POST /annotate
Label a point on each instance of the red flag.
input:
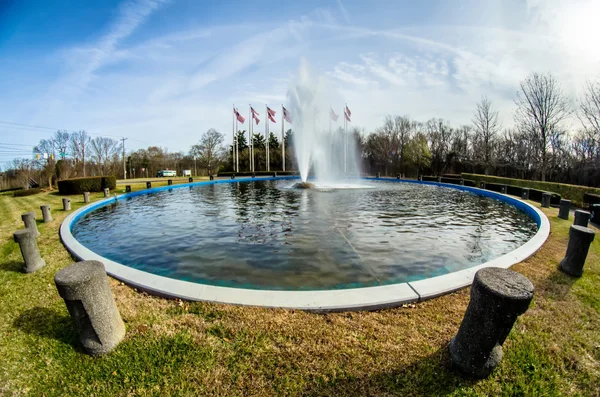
(254, 112)
(239, 117)
(286, 115)
(348, 112)
(332, 114)
(271, 112)
(347, 116)
(271, 117)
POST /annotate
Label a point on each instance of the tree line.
(540, 145)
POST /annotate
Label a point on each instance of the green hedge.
(574, 193)
(258, 173)
(27, 192)
(91, 184)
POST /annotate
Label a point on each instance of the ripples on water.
(261, 235)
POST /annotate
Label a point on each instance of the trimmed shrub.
(574, 193)
(91, 184)
(27, 192)
(259, 173)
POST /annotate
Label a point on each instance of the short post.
(275, 174)
(439, 179)
(580, 239)
(212, 178)
(29, 221)
(106, 192)
(253, 175)
(378, 175)
(86, 197)
(127, 188)
(46, 213)
(546, 200)
(582, 218)
(397, 176)
(190, 179)
(66, 204)
(503, 189)
(148, 185)
(482, 185)
(27, 240)
(232, 176)
(420, 178)
(525, 193)
(462, 182)
(170, 182)
(498, 297)
(87, 295)
(595, 211)
(565, 207)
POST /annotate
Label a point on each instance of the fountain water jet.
(319, 142)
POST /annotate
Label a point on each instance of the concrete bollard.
(253, 175)
(546, 200)
(29, 221)
(106, 192)
(66, 204)
(212, 178)
(421, 178)
(190, 179)
(87, 295)
(170, 182)
(462, 182)
(582, 218)
(565, 207)
(498, 297)
(482, 185)
(148, 185)
(86, 197)
(26, 238)
(378, 175)
(127, 188)
(232, 176)
(525, 193)
(503, 189)
(397, 176)
(275, 175)
(580, 239)
(439, 179)
(46, 215)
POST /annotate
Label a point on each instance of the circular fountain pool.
(260, 242)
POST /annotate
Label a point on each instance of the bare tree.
(61, 143)
(589, 113)
(79, 144)
(102, 149)
(541, 107)
(209, 150)
(487, 126)
(440, 137)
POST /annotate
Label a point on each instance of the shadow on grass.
(432, 375)
(558, 284)
(12, 266)
(48, 323)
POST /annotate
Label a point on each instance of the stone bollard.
(378, 175)
(86, 197)
(525, 193)
(148, 185)
(66, 204)
(580, 239)
(29, 221)
(503, 189)
(127, 188)
(498, 297)
(29, 249)
(275, 174)
(170, 182)
(87, 295)
(212, 178)
(482, 185)
(190, 179)
(232, 176)
(106, 192)
(439, 179)
(46, 215)
(397, 176)
(462, 182)
(565, 207)
(253, 175)
(421, 178)
(546, 200)
(582, 218)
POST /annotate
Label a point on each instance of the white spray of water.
(320, 151)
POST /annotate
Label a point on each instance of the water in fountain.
(319, 142)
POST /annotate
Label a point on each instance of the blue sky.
(161, 72)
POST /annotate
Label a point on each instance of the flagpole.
(266, 137)
(233, 140)
(237, 153)
(282, 140)
(345, 140)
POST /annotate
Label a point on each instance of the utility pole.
(124, 166)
